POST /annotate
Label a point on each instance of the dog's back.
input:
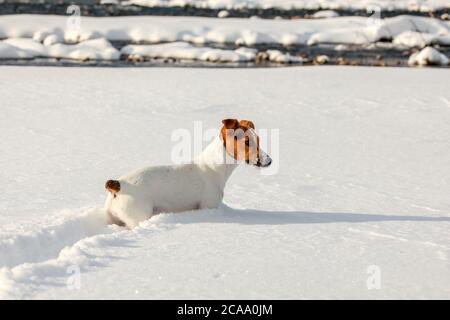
(169, 188)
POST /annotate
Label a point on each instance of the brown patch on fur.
(237, 141)
(112, 186)
(246, 124)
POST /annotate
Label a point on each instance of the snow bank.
(420, 39)
(245, 32)
(8, 51)
(183, 50)
(428, 56)
(414, 5)
(186, 51)
(96, 49)
(375, 30)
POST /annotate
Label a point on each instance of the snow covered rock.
(322, 59)
(420, 39)
(30, 46)
(52, 39)
(428, 56)
(412, 39)
(325, 14)
(223, 14)
(280, 57)
(96, 49)
(277, 56)
(186, 51)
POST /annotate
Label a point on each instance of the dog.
(139, 195)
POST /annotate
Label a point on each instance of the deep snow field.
(363, 184)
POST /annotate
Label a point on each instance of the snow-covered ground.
(361, 196)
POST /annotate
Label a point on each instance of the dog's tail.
(112, 186)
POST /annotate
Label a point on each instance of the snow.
(95, 49)
(420, 39)
(375, 30)
(322, 59)
(183, 50)
(280, 57)
(412, 39)
(223, 14)
(8, 51)
(415, 5)
(325, 14)
(245, 32)
(363, 184)
(186, 51)
(428, 56)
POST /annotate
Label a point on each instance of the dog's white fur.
(176, 188)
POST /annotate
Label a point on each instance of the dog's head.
(242, 143)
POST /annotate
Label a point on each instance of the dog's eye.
(247, 143)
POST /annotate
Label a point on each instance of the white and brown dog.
(137, 196)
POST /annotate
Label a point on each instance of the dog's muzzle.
(264, 161)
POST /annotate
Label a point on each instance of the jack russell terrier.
(137, 196)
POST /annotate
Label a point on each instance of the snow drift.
(245, 32)
(183, 50)
(25, 48)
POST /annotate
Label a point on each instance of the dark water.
(355, 56)
(93, 8)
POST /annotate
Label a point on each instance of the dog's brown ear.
(231, 123)
(112, 186)
(247, 124)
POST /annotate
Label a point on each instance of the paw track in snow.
(85, 241)
(44, 257)
(46, 242)
(48, 250)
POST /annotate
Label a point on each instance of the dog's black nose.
(265, 163)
